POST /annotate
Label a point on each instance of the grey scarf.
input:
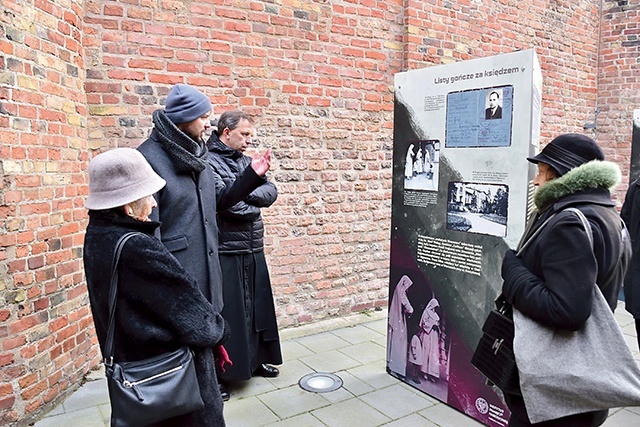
(186, 154)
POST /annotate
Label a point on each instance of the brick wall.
(79, 77)
(619, 80)
(318, 78)
(47, 341)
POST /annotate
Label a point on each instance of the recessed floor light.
(320, 382)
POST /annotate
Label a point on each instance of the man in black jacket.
(187, 204)
(630, 213)
(248, 301)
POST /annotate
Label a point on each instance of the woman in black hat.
(552, 281)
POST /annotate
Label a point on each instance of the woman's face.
(141, 209)
(545, 174)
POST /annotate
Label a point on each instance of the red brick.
(6, 359)
(7, 402)
(11, 343)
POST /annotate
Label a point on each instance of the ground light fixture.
(320, 382)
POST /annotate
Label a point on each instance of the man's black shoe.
(224, 392)
(267, 371)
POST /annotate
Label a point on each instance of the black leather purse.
(149, 390)
(493, 355)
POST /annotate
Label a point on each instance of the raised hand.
(261, 164)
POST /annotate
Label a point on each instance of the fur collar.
(591, 175)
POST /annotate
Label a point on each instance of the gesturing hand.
(261, 164)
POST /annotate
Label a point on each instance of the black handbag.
(149, 390)
(493, 355)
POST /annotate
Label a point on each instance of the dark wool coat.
(158, 309)
(552, 281)
(187, 212)
(631, 215)
(248, 299)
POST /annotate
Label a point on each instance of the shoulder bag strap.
(585, 223)
(587, 227)
(535, 233)
(113, 292)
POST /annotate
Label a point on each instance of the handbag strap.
(587, 228)
(535, 233)
(585, 223)
(113, 293)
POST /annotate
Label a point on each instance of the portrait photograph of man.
(494, 107)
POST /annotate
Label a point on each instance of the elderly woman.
(551, 281)
(159, 307)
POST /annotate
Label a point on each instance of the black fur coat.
(159, 307)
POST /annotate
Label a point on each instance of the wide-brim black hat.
(568, 151)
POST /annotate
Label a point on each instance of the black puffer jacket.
(159, 307)
(552, 281)
(241, 227)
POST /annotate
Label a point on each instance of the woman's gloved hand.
(221, 357)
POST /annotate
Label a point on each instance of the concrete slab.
(247, 412)
(292, 401)
(350, 413)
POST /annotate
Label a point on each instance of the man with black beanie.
(187, 210)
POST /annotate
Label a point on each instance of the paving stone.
(413, 420)
(291, 350)
(350, 413)
(303, 420)
(248, 412)
(365, 352)
(445, 416)
(353, 384)
(396, 402)
(291, 401)
(356, 334)
(322, 342)
(88, 417)
(329, 361)
(94, 393)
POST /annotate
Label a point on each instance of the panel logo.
(482, 405)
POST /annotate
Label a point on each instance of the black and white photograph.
(477, 208)
(494, 104)
(422, 165)
(417, 339)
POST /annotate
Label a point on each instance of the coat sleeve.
(263, 196)
(560, 296)
(626, 213)
(241, 210)
(153, 282)
(245, 183)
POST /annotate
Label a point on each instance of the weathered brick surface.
(43, 140)
(619, 80)
(84, 76)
